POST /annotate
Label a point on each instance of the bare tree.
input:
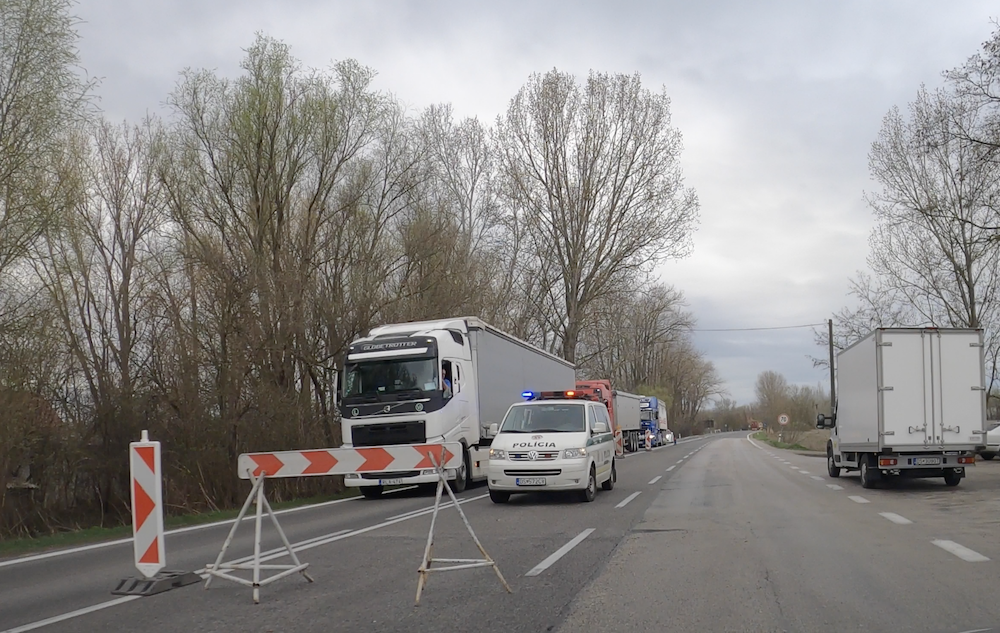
(593, 172)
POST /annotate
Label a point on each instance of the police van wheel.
(610, 483)
(371, 492)
(499, 496)
(588, 493)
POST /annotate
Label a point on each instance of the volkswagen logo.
(536, 437)
(386, 409)
(532, 455)
(419, 407)
(355, 412)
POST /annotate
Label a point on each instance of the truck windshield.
(545, 418)
(371, 379)
(647, 415)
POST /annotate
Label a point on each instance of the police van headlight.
(574, 453)
(496, 453)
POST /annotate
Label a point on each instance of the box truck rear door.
(905, 389)
(959, 394)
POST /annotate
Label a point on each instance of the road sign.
(342, 461)
(147, 505)
(783, 419)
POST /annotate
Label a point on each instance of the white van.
(556, 440)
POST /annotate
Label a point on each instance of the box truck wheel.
(461, 479)
(588, 493)
(609, 483)
(952, 478)
(831, 465)
(371, 492)
(868, 476)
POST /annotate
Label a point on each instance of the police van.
(554, 440)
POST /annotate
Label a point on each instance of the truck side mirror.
(823, 422)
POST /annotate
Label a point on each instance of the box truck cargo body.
(911, 402)
(438, 381)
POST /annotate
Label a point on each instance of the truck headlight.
(574, 453)
(496, 453)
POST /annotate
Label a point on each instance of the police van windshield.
(545, 418)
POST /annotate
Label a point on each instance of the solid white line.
(896, 518)
(559, 553)
(654, 480)
(834, 487)
(816, 477)
(71, 614)
(627, 499)
(857, 499)
(961, 551)
(671, 468)
(190, 528)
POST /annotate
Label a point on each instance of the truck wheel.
(609, 484)
(951, 478)
(371, 492)
(588, 493)
(867, 476)
(461, 480)
(499, 496)
(831, 466)
(987, 455)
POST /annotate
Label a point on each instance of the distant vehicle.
(559, 440)
(911, 402)
(624, 408)
(654, 419)
(756, 425)
(437, 381)
(992, 447)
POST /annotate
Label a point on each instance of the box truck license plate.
(390, 482)
(530, 481)
(927, 461)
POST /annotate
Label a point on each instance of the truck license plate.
(530, 481)
(390, 482)
(927, 461)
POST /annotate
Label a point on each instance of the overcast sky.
(778, 103)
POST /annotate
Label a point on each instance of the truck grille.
(533, 473)
(390, 475)
(389, 433)
(541, 456)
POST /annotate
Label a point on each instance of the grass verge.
(762, 436)
(20, 546)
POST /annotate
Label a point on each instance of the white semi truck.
(438, 381)
(911, 402)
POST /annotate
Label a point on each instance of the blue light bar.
(528, 395)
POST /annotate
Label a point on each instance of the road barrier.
(456, 563)
(146, 480)
(258, 467)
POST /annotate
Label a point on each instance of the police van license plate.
(927, 461)
(530, 481)
(390, 482)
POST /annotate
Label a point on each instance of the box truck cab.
(437, 381)
(553, 441)
(911, 402)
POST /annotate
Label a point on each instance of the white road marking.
(627, 499)
(804, 472)
(794, 467)
(276, 553)
(817, 477)
(559, 553)
(671, 468)
(654, 480)
(681, 459)
(834, 487)
(72, 614)
(896, 518)
(190, 528)
(961, 551)
(857, 499)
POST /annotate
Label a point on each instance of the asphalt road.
(716, 534)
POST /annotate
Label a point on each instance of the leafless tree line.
(199, 277)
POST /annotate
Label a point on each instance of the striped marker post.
(147, 506)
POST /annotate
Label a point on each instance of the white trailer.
(394, 391)
(911, 402)
(627, 409)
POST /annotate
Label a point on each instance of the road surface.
(716, 534)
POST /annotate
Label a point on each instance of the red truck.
(625, 411)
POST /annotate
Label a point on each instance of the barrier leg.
(239, 518)
(426, 564)
(256, 545)
(284, 539)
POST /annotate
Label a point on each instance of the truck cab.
(553, 441)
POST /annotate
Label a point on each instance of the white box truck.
(438, 381)
(911, 402)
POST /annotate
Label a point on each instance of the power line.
(754, 329)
